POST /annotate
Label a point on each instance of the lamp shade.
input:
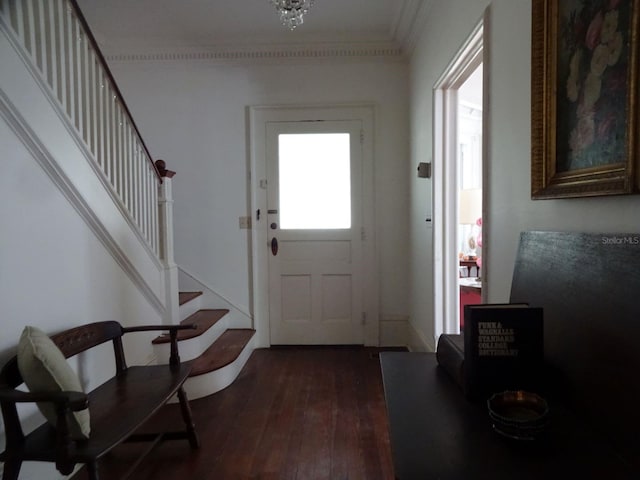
(470, 205)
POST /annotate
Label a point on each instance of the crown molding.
(409, 23)
(347, 52)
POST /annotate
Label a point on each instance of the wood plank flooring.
(300, 413)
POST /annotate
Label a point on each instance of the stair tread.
(204, 319)
(222, 352)
(184, 297)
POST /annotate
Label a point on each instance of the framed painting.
(584, 96)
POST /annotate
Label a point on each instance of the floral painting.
(585, 91)
(592, 79)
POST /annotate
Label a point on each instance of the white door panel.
(315, 274)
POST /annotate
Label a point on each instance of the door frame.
(258, 117)
(474, 51)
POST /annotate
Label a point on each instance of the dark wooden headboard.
(589, 287)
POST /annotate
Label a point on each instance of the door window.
(315, 181)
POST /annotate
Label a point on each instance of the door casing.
(445, 203)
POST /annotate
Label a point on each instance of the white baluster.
(86, 90)
(100, 147)
(52, 52)
(70, 70)
(18, 22)
(134, 185)
(130, 171)
(127, 164)
(41, 38)
(95, 87)
(138, 180)
(79, 41)
(145, 212)
(151, 188)
(30, 29)
(61, 53)
(112, 138)
(120, 151)
(116, 150)
(114, 142)
(154, 212)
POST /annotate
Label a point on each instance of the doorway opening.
(459, 146)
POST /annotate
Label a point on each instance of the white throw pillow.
(44, 369)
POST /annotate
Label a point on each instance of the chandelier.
(292, 11)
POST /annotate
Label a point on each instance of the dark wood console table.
(437, 434)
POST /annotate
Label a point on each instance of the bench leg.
(11, 469)
(92, 470)
(188, 420)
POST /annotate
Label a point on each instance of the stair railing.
(57, 39)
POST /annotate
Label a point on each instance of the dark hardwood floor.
(293, 413)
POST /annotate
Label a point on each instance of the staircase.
(62, 102)
(217, 352)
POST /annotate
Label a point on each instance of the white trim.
(417, 342)
(408, 24)
(219, 298)
(258, 117)
(270, 54)
(486, 146)
(445, 177)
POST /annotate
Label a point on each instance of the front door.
(314, 192)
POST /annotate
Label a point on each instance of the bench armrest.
(151, 328)
(73, 400)
(174, 359)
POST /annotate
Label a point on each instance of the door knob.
(274, 246)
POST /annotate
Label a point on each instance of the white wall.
(193, 115)
(509, 208)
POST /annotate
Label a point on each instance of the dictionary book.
(503, 348)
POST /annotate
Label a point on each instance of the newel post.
(165, 207)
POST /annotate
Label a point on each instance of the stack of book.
(501, 348)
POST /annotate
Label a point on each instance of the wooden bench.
(117, 407)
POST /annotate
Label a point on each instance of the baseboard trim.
(417, 341)
(224, 302)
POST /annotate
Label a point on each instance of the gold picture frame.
(584, 96)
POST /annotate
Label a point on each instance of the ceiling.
(140, 24)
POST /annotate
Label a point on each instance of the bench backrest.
(71, 342)
(589, 287)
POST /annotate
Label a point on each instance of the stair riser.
(192, 347)
(189, 308)
(237, 320)
(212, 382)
